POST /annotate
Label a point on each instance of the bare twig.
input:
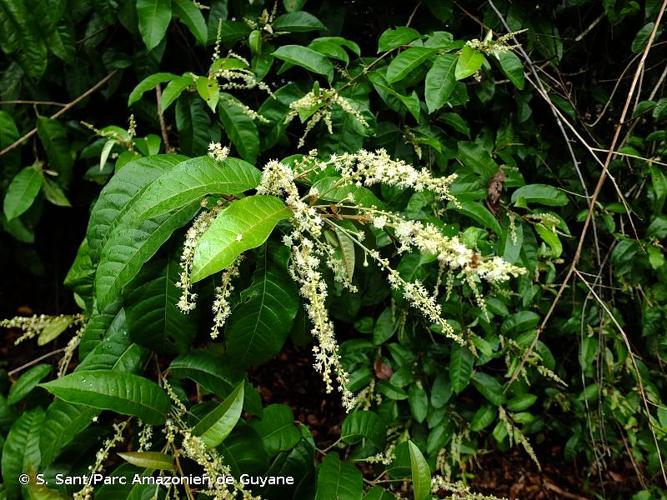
(34, 103)
(160, 114)
(64, 109)
(35, 361)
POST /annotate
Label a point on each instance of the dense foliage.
(457, 208)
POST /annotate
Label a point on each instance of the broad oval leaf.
(277, 429)
(470, 61)
(149, 459)
(121, 392)
(206, 369)
(244, 224)
(489, 387)
(174, 89)
(440, 82)
(306, 58)
(460, 368)
(421, 473)
(406, 62)
(239, 127)
(154, 17)
(339, 480)
(479, 213)
(364, 425)
(542, 194)
(395, 37)
(53, 135)
(483, 417)
(190, 14)
(297, 22)
(219, 423)
(512, 67)
(22, 192)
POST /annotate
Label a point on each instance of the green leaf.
(393, 38)
(22, 192)
(21, 36)
(121, 392)
(483, 418)
(407, 62)
(306, 58)
(512, 67)
(470, 61)
(519, 322)
(440, 82)
(55, 194)
(297, 22)
(336, 479)
(360, 425)
(149, 83)
(120, 193)
(550, 237)
(219, 423)
(244, 224)
(21, 450)
(54, 139)
(474, 156)
(541, 194)
(262, 320)
(489, 387)
(154, 17)
(27, 383)
(206, 369)
(53, 330)
(659, 181)
(418, 401)
(191, 16)
(277, 428)
(421, 473)
(329, 189)
(479, 213)
(385, 327)
(152, 315)
(165, 205)
(460, 368)
(239, 127)
(149, 459)
(193, 124)
(174, 89)
(522, 402)
(209, 90)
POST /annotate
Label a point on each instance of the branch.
(64, 109)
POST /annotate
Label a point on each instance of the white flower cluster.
(34, 325)
(377, 167)
(187, 301)
(221, 306)
(322, 101)
(217, 151)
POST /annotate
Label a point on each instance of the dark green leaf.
(218, 424)
(336, 479)
(188, 12)
(460, 368)
(407, 62)
(440, 82)
(297, 22)
(396, 37)
(21, 450)
(154, 17)
(306, 58)
(22, 192)
(240, 128)
(421, 473)
(27, 383)
(541, 194)
(149, 83)
(277, 428)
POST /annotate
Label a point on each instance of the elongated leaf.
(209, 90)
(418, 401)
(174, 89)
(421, 473)
(512, 67)
(27, 383)
(479, 213)
(21, 450)
(336, 479)
(328, 189)
(542, 194)
(470, 61)
(489, 387)
(406, 62)
(23, 37)
(364, 425)
(113, 390)
(193, 124)
(396, 37)
(261, 322)
(460, 368)
(440, 82)
(22, 192)
(153, 318)
(240, 128)
(244, 224)
(189, 13)
(129, 248)
(8, 135)
(149, 459)
(119, 194)
(297, 22)
(154, 17)
(149, 83)
(54, 139)
(277, 428)
(218, 424)
(206, 369)
(306, 58)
